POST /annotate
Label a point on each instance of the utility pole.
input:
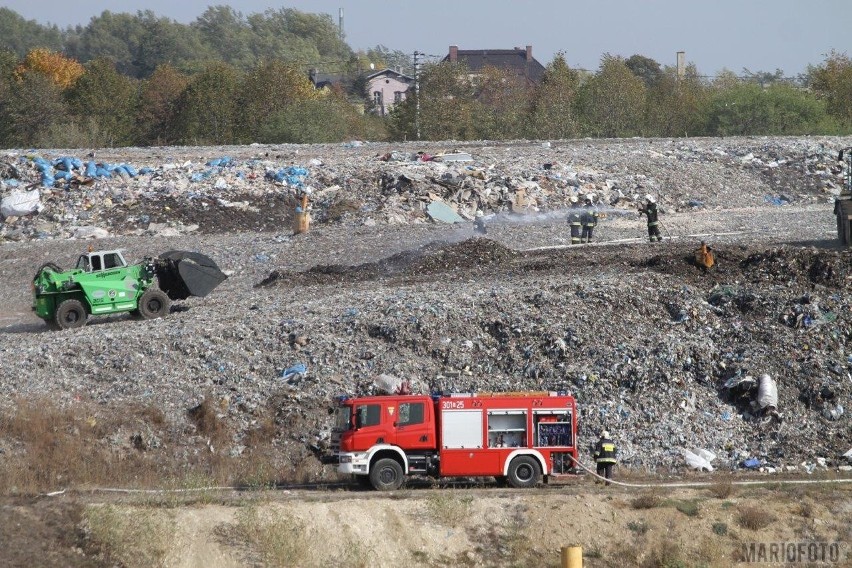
(417, 93)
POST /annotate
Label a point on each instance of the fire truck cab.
(519, 438)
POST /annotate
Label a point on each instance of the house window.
(397, 96)
(377, 98)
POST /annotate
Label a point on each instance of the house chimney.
(454, 53)
(529, 53)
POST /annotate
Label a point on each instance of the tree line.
(233, 79)
(623, 98)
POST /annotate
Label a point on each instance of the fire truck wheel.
(524, 472)
(386, 475)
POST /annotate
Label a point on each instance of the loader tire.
(524, 471)
(70, 314)
(386, 475)
(153, 304)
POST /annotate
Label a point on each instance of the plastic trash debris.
(776, 200)
(440, 211)
(767, 393)
(751, 463)
(220, 162)
(294, 372)
(848, 455)
(20, 203)
(389, 384)
(697, 461)
(833, 413)
(454, 157)
(88, 232)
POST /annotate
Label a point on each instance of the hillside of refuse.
(391, 279)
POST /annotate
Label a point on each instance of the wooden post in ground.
(572, 557)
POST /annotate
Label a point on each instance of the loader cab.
(100, 260)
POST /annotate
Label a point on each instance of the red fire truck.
(519, 438)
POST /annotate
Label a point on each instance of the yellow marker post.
(572, 557)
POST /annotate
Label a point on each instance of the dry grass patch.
(277, 540)
(449, 510)
(647, 501)
(754, 518)
(206, 418)
(130, 536)
(723, 489)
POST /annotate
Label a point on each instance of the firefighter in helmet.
(650, 210)
(605, 456)
(479, 223)
(575, 220)
(589, 218)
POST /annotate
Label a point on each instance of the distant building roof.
(519, 60)
(321, 80)
(400, 76)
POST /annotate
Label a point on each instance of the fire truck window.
(410, 413)
(368, 415)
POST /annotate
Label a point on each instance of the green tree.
(114, 36)
(165, 41)
(832, 82)
(268, 89)
(208, 108)
(749, 109)
(158, 103)
(228, 34)
(446, 106)
(104, 102)
(553, 114)
(645, 68)
(34, 109)
(677, 106)
(22, 36)
(500, 108)
(329, 119)
(613, 100)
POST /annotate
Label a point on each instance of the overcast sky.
(758, 35)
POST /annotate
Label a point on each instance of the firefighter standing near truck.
(605, 456)
(575, 220)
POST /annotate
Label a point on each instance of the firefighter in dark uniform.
(479, 223)
(650, 210)
(575, 220)
(605, 455)
(589, 220)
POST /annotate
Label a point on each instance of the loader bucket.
(184, 273)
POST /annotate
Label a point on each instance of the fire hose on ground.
(709, 483)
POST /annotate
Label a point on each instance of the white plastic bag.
(387, 384)
(767, 393)
(696, 461)
(20, 203)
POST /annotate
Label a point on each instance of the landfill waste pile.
(745, 365)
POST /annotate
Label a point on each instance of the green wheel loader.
(103, 283)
